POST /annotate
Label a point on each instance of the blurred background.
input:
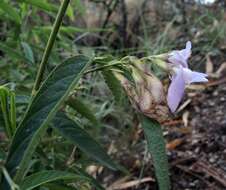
(196, 136)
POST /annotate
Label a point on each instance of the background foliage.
(111, 30)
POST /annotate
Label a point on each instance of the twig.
(182, 160)
(217, 174)
(110, 9)
(172, 122)
(124, 23)
(187, 170)
(217, 82)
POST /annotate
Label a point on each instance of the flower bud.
(161, 63)
(147, 96)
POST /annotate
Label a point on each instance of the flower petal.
(176, 90)
(188, 45)
(180, 57)
(192, 76)
(175, 58)
(186, 53)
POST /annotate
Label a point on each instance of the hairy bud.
(147, 95)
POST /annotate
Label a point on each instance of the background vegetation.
(195, 136)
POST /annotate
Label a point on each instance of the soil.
(196, 145)
(200, 162)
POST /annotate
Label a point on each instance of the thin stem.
(102, 67)
(12, 112)
(50, 43)
(13, 186)
(3, 103)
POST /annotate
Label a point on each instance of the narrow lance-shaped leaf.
(92, 180)
(114, 85)
(156, 146)
(12, 52)
(74, 133)
(82, 108)
(42, 109)
(78, 171)
(69, 29)
(10, 11)
(70, 12)
(58, 186)
(41, 4)
(1, 119)
(28, 52)
(4, 109)
(40, 178)
(22, 99)
(12, 112)
(5, 100)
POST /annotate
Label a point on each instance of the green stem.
(5, 112)
(13, 186)
(12, 112)
(50, 44)
(102, 67)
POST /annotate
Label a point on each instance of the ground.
(196, 143)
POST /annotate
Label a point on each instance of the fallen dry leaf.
(185, 118)
(209, 65)
(221, 70)
(130, 184)
(172, 123)
(184, 105)
(173, 144)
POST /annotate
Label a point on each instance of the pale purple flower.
(180, 57)
(181, 76)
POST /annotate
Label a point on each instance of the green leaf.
(12, 111)
(41, 4)
(10, 11)
(12, 52)
(82, 108)
(28, 52)
(92, 180)
(42, 109)
(78, 136)
(40, 178)
(4, 93)
(56, 186)
(156, 146)
(114, 85)
(78, 171)
(70, 12)
(7, 102)
(80, 7)
(70, 29)
(22, 99)
(1, 120)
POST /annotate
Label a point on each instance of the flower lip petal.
(188, 45)
(190, 76)
(176, 90)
